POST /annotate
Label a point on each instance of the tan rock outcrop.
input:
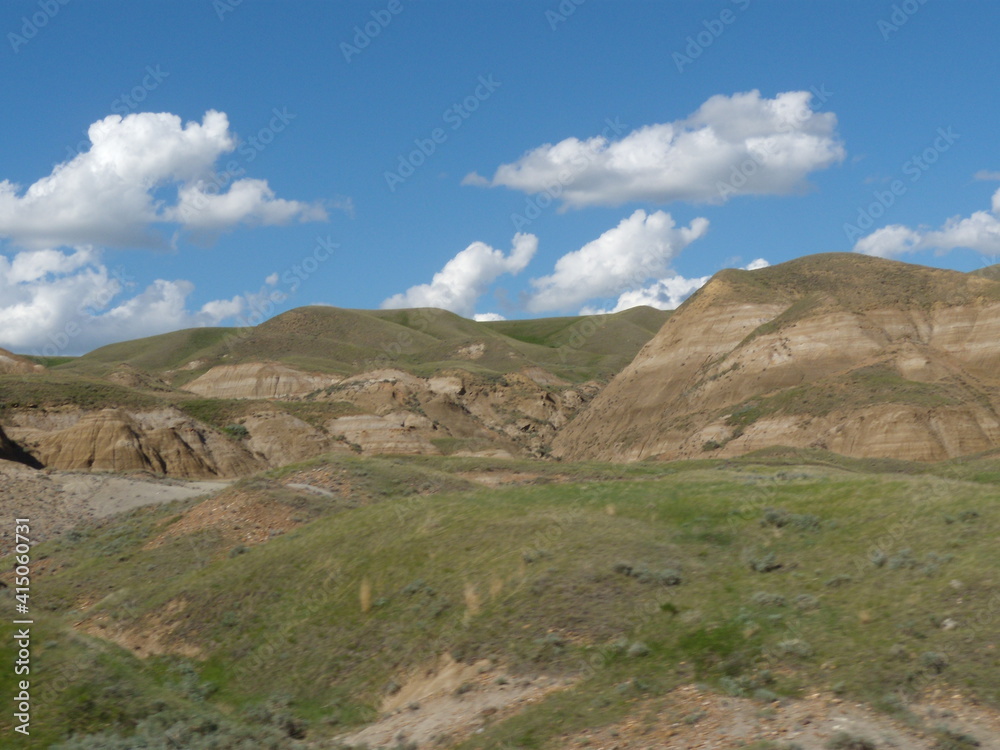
(279, 439)
(164, 441)
(398, 432)
(258, 380)
(862, 356)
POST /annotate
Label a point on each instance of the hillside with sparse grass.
(422, 341)
(591, 591)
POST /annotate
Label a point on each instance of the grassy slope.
(285, 618)
(857, 282)
(55, 388)
(421, 340)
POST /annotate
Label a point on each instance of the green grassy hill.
(773, 575)
(422, 341)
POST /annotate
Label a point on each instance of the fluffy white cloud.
(205, 212)
(980, 232)
(733, 145)
(54, 302)
(666, 294)
(638, 249)
(488, 317)
(113, 194)
(465, 277)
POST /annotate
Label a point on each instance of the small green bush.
(767, 599)
(949, 740)
(934, 661)
(236, 431)
(794, 647)
(765, 563)
(638, 649)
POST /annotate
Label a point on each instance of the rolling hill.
(420, 341)
(222, 402)
(858, 355)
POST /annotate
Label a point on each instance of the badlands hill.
(206, 403)
(12, 364)
(421, 341)
(857, 355)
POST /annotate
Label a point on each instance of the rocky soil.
(56, 501)
(398, 413)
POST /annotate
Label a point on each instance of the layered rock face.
(257, 380)
(858, 355)
(163, 441)
(513, 415)
(453, 412)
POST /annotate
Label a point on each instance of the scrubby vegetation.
(755, 579)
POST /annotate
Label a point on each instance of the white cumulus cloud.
(489, 317)
(742, 144)
(465, 278)
(55, 302)
(980, 232)
(115, 193)
(665, 294)
(624, 257)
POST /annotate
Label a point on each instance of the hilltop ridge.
(862, 356)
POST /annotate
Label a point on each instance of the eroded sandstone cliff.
(858, 355)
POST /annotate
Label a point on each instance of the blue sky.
(247, 151)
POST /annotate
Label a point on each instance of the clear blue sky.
(641, 216)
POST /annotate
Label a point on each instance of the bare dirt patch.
(692, 719)
(241, 517)
(153, 636)
(56, 501)
(447, 701)
(500, 478)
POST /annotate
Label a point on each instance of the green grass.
(61, 389)
(48, 361)
(422, 341)
(545, 561)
